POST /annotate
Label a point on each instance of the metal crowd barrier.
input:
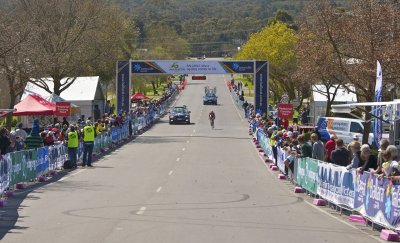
(377, 199)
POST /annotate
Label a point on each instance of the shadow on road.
(9, 215)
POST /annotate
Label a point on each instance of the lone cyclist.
(211, 116)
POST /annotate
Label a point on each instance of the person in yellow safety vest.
(73, 143)
(89, 134)
(295, 116)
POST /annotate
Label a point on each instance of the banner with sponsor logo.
(42, 165)
(63, 109)
(5, 165)
(285, 111)
(123, 86)
(191, 67)
(23, 166)
(282, 155)
(261, 87)
(57, 156)
(379, 200)
(336, 184)
(307, 174)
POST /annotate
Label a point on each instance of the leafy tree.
(276, 44)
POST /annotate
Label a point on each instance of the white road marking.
(159, 189)
(170, 173)
(141, 211)
(177, 160)
(183, 149)
(80, 171)
(187, 141)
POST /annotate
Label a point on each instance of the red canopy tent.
(34, 105)
(139, 96)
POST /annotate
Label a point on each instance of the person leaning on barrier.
(364, 160)
(384, 143)
(390, 166)
(89, 134)
(340, 156)
(305, 147)
(353, 147)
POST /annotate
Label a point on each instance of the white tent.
(84, 92)
(319, 99)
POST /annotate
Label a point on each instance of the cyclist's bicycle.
(212, 122)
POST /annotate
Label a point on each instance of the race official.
(89, 134)
(73, 143)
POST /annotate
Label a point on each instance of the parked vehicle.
(343, 128)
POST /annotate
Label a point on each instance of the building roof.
(82, 89)
(342, 95)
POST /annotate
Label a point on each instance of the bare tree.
(73, 37)
(15, 66)
(359, 36)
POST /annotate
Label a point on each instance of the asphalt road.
(178, 183)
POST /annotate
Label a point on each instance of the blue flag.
(378, 110)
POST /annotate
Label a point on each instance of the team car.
(179, 114)
(210, 96)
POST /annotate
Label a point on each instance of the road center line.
(159, 189)
(141, 211)
(170, 173)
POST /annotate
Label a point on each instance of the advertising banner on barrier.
(5, 165)
(379, 200)
(57, 156)
(336, 184)
(307, 174)
(281, 159)
(42, 165)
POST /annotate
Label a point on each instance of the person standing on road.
(245, 105)
(73, 143)
(89, 134)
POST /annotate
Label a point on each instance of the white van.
(344, 128)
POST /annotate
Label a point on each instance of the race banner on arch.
(125, 69)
